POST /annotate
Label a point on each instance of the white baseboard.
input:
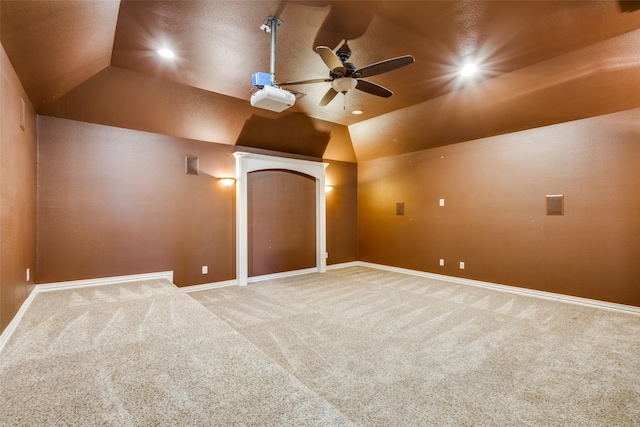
(512, 289)
(207, 286)
(11, 327)
(281, 275)
(256, 279)
(57, 286)
(343, 265)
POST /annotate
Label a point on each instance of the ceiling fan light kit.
(344, 84)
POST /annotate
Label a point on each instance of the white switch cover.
(28, 275)
(441, 202)
(441, 262)
(461, 265)
(205, 269)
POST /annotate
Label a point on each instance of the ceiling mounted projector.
(272, 98)
(265, 92)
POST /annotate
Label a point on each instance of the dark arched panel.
(281, 221)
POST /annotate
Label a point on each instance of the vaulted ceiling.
(540, 63)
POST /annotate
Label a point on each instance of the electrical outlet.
(205, 269)
(441, 202)
(461, 265)
(441, 262)
(326, 254)
(28, 274)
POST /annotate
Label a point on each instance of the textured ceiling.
(541, 62)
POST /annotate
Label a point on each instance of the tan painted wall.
(342, 208)
(494, 216)
(17, 193)
(114, 201)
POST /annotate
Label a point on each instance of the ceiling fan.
(345, 76)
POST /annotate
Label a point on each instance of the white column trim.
(251, 162)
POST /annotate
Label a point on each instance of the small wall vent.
(191, 165)
(555, 204)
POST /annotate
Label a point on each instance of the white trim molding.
(251, 162)
(282, 275)
(207, 286)
(11, 327)
(343, 265)
(253, 279)
(56, 286)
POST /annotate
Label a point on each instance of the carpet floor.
(143, 354)
(355, 346)
(389, 349)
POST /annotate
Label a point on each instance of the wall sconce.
(328, 188)
(227, 182)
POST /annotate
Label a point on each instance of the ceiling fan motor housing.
(344, 52)
(350, 70)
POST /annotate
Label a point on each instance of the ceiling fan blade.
(328, 97)
(304, 82)
(331, 60)
(385, 66)
(373, 89)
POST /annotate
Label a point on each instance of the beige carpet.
(143, 354)
(388, 349)
(355, 346)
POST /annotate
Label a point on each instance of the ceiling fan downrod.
(272, 23)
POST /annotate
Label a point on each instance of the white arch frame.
(251, 162)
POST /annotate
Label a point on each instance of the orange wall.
(17, 194)
(114, 201)
(494, 215)
(342, 208)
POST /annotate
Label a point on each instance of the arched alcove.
(281, 209)
(250, 162)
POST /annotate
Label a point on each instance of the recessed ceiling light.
(356, 112)
(468, 69)
(166, 53)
